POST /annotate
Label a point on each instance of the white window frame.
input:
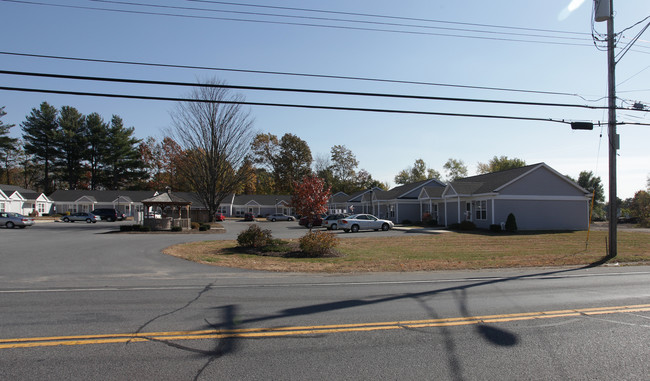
(481, 210)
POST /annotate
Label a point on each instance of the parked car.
(311, 222)
(10, 220)
(357, 222)
(219, 217)
(279, 217)
(249, 217)
(109, 214)
(331, 222)
(81, 216)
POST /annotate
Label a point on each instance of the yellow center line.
(307, 330)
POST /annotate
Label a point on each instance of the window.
(2, 206)
(481, 210)
(41, 208)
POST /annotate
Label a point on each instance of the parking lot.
(232, 227)
(54, 253)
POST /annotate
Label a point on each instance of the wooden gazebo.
(172, 207)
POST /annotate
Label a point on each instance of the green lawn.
(435, 251)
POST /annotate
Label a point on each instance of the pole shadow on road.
(494, 335)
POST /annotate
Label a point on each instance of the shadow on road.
(494, 335)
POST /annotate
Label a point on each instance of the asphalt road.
(80, 302)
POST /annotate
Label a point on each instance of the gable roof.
(406, 191)
(24, 193)
(167, 198)
(103, 196)
(496, 181)
(261, 199)
(431, 192)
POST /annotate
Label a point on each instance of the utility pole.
(613, 137)
(604, 11)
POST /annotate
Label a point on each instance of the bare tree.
(215, 133)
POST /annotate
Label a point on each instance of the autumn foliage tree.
(309, 197)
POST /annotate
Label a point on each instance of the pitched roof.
(493, 182)
(262, 199)
(104, 196)
(167, 198)
(403, 191)
(27, 194)
(12, 188)
(433, 192)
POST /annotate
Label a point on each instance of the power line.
(292, 23)
(383, 16)
(296, 90)
(391, 24)
(324, 76)
(290, 105)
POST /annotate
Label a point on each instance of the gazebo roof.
(167, 198)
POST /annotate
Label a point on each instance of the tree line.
(64, 149)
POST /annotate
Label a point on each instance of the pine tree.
(39, 133)
(72, 144)
(97, 134)
(123, 165)
(7, 144)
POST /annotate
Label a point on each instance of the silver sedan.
(279, 217)
(10, 220)
(357, 222)
(81, 216)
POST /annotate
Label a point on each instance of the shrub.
(126, 228)
(206, 226)
(277, 246)
(203, 228)
(511, 223)
(495, 228)
(196, 225)
(145, 229)
(254, 237)
(407, 222)
(467, 226)
(136, 227)
(431, 222)
(177, 228)
(317, 244)
(464, 226)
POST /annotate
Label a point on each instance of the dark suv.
(109, 214)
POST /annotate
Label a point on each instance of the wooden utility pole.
(613, 136)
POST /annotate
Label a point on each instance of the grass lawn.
(436, 251)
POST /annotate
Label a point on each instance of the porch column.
(493, 212)
(445, 212)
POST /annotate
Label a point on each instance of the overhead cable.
(325, 76)
(296, 90)
(290, 105)
(291, 23)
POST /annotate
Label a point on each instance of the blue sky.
(383, 143)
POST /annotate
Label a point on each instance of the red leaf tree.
(309, 198)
